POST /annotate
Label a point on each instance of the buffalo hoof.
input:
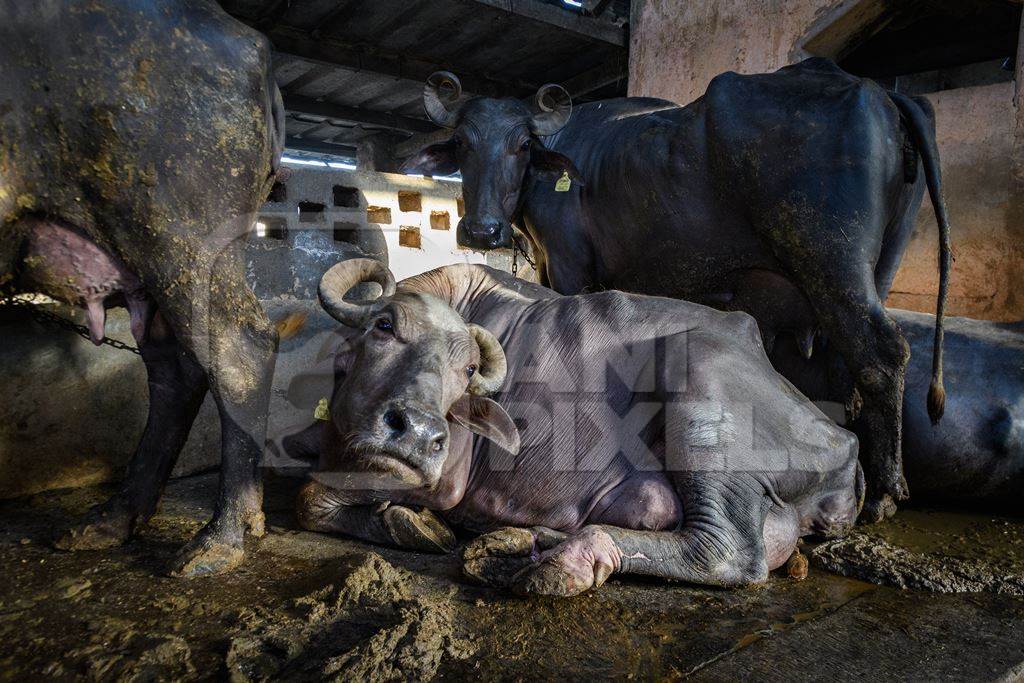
(582, 562)
(496, 558)
(205, 555)
(797, 566)
(105, 526)
(877, 509)
(551, 578)
(421, 530)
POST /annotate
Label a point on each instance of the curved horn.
(491, 374)
(552, 107)
(441, 105)
(342, 277)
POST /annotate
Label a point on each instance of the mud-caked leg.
(831, 251)
(876, 355)
(241, 350)
(177, 385)
(880, 422)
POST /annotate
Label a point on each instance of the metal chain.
(53, 320)
(516, 251)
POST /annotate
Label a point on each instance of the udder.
(60, 260)
(776, 303)
(645, 501)
(781, 534)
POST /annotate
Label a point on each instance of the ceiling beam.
(359, 58)
(588, 27)
(578, 85)
(595, 8)
(271, 14)
(610, 72)
(341, 112)
(291, 142)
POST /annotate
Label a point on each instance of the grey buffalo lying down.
(654, 436)
(975, 455)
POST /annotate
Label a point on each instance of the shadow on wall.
(71, 413)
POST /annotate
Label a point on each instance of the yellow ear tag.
(322, 410)
(563, 184)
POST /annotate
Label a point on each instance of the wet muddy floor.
(307, 606)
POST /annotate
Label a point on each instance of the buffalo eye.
(384, 325)
(470, 370)
(525, 147)
(456, 140)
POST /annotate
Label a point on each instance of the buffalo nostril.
(395, 422)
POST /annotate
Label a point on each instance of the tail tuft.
(936, 401)
(921, 127)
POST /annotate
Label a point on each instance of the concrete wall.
(678, 47)
(975, 129)
(372, 218)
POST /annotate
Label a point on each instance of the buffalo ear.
(488, 419)
(436, 159)
(551, 165)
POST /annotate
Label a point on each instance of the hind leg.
(829, 254)
(876, 355)
(177, 386)
(237, 350)
(203, 297)
(721, 543)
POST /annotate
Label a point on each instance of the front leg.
(544, 562)
(721, 543)
(319, 508)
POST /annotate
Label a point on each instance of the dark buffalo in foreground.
(808, 172)
(655, 436)
(975, 456)
(137, 140)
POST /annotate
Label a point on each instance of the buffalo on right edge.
(808, 173)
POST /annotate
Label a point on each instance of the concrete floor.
(306, 606)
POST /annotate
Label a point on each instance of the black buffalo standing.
(808, 173)
(137, 140)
